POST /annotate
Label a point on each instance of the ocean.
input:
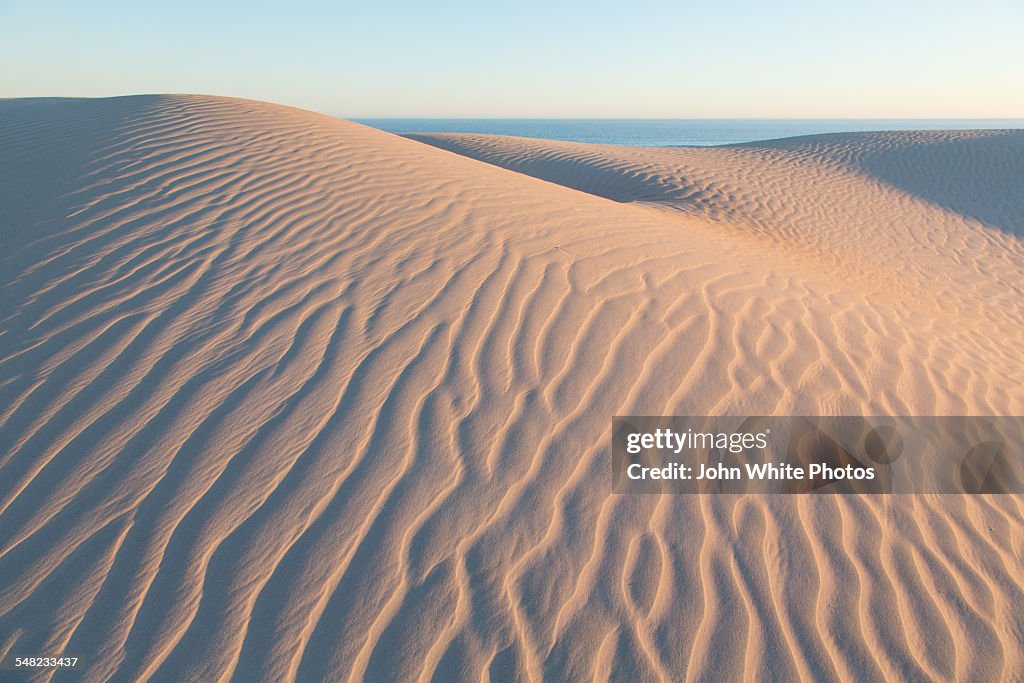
(673, 132)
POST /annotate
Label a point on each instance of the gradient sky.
(545, 58)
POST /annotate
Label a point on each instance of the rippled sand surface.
(283, 397)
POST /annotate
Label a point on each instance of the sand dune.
(287, 398)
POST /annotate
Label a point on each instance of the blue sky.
(531, 58)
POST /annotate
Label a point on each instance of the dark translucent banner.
(818, 454)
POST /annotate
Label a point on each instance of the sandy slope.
(286, 397)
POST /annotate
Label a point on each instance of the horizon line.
(683, 118)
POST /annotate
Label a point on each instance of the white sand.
(284, 397)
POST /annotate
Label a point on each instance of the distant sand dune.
(284, 397)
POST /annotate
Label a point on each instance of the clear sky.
(544, 58)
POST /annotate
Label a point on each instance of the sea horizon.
(672, 132)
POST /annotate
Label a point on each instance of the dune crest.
(283, 397)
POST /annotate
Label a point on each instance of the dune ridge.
(912, 201)
(283, 397)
